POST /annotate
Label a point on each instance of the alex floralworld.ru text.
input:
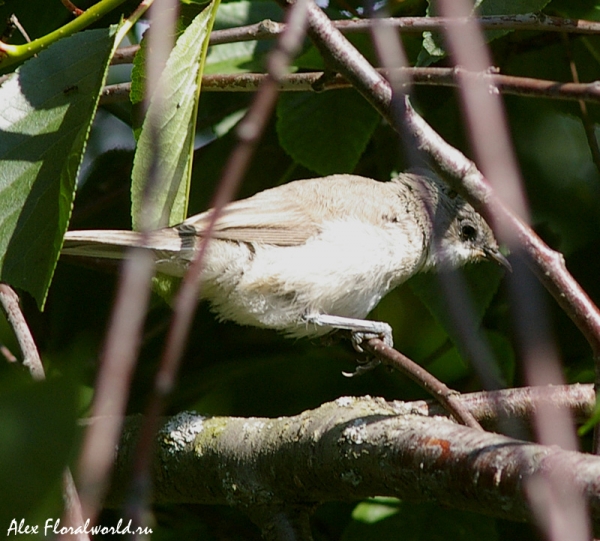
(52, 527)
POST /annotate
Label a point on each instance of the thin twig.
(117, 364)
(521, 403)
(72, 8)
(73, 513)
(17, 24)
(304, 82)
(448, 398)
(268, 29)
(528, 21)
(7, 354)
(486, 124)
(558, 507)
(588, 125)
(31, 358)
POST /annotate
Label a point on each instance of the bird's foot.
(361, 330)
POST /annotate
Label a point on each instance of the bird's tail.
(112, 244)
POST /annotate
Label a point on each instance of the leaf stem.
(12, 54)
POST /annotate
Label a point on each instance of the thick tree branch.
(351, 449)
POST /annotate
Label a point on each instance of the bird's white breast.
(344, 270)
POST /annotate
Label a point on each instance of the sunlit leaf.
(47, 108)
(166, 141)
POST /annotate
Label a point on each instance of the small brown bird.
(315, 255)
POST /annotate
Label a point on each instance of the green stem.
(12, 54)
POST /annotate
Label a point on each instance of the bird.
(315, 255)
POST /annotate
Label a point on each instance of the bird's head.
(460, 235)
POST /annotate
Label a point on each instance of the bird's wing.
(266, 218)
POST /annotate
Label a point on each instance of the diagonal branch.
(448, 398)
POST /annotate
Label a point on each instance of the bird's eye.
(468, 232)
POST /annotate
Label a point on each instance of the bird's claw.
(363, 367)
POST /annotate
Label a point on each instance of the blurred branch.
(304, 82)
(249, 132)
(7, 354)
(117, 364)
(268, 29)
(354, 448)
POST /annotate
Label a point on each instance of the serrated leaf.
(174, 116)
(47, 109)
(325, 132)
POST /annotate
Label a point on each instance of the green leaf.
(425, 521)
(138, 73)
(592, 421)
(47, 108)
(375, 509)
(243, 56)
(233, 14)
(172, 121)
(325, 132)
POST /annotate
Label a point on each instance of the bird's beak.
(493, 254)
